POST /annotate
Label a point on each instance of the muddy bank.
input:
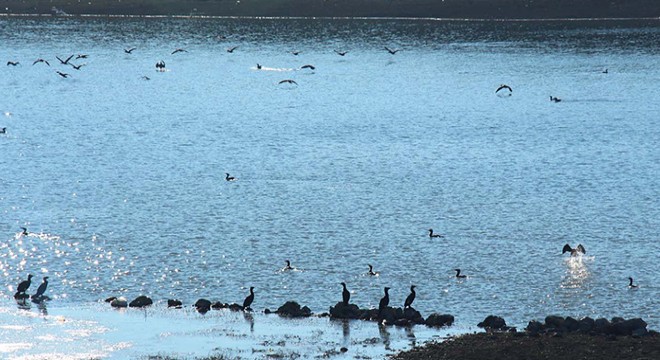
(514, 346)
(459, 9)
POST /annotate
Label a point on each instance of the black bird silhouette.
(64, 62)
(391, 51)
(504, 86)
(144, 77)
(289, 81)
(41, 289)
(631, 285)
(296, 52)
(77, 67)
(41, 61)
(371, 271)
(24, 285)
(288, 266)
(574, 252)
(605, 71)
(25, 232)
(249, 299)
(129, 51)
(12, 63)
(229, 177)
(432, 235)
(410, 298)
(160, 66)
(3, 130)
(345, 295)
(82, 56)
(231, 49)
(341, 53)
(178, 51)
(458, 274)
(555, 99)
(258, 66)
(64, 75)
(311, 67)
(382, 305)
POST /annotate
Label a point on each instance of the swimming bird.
(231, 49)
(288, 266)
(64, 75)
(410, 298)
(289, 81)
(458, 274)
(229, 177)
(12, 63)
(3, 130)
(64, 62)
(296, 52)
(258, 66)
(311, 67)
(371, 271)
(341, 53)
(605, 71)
(345, 295)
(504, 86)
(432, 235)
(129, 51)
(41, 289)
(77, 67)
(25, 232)
(41, 61)
(178, 50)
(574, 252)
(24, 285)
(555, 99)
(631, 283)
(391, 51)
(249, 299)
(160, 66)
(382, 305)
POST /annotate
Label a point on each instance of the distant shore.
(447, 9)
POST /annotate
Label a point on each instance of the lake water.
(120, 180)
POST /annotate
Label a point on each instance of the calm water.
(120, 180)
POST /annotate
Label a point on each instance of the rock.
(617, 319)
(219, 305)
(602, 326)
(39, 299)
(555, 322)
(343, 349)
(413, 316)
(21, 296)
(436, 319)
(267, 311)
(110, 299)
(390, 314)
(627, 327)
(570, 324)
(534, 327)
(235, 307)
(293, 309)
(141, 301)
(586, 325)
(492, 322)
(174, 303)
(119, 302)
(342, 311)
(402, 322)
(639, 332)
(202, 306)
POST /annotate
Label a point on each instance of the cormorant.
(371, 271)
(311, 67)
(288, 81)
(144, 77)
(229, 177)
(25, 232)
(24, 285)
(12, 63)
(605, 71)
(555, 99)
(128, 51)
(64, 75)
(178, 51)
(296, 52)
(82, 56)
(574, 252)
(410, 298)
(382, 305)
(41, 61)
(458, 274)
(231, 49)
(432, 235)
(504, 86)
(631, 285)
(345, 295)
(77, 67)
(391, 51)
(41, 289)
(249, 299)
(64, 62)
(258, 66)
(160, 66)
(3, 130)
(288, 266)
(341, 53)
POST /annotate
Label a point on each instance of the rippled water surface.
(120, 180)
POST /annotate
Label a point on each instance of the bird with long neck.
(631, 285)
(410, 298)
(41, 289)
(345, 294)
(458, 274)
(371, 271)
(288, 266)
(24, 285)
(433, 235)
(382, 305)
(249, 299)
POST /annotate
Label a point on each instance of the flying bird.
(64, 62)
(178, 51)
(64, 75)
(129, 51)
(231, 49)
(41, 61)
(311, 67)
(391, 51)
(504, 86)
(12, 63)
(289, 81)
(579, 250)
(341, 53)
(77, 67)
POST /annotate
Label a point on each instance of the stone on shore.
(492, 322)
(119, 302)
(141, 301)
(202, 306)
(438, 320)
(293, 309)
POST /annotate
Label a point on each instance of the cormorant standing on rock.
(345, 295)
(24, 285)
(42, 288)
(249, 299)
(410, 298)
(382, 305)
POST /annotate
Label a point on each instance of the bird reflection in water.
(411, 336)
(576, 272)
(250, 319)
(384, 335)
(42, 308)
(346, 331)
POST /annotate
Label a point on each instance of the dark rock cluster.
(389, 315)
(495, 323)
(618, 326)
(291, 309)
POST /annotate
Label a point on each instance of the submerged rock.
(438, 320)
(174, 304)
(219, 305)
(141, 301)
(343, 311)
(202, 306)
(119, 302)
(293, 309)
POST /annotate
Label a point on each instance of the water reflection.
(250, 319)
(384, 335)
(576, 272)
(411, 336)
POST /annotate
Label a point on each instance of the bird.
(579, 250)
(12, 63)
(341, 53)
(231, 49)
(64, 62)
(458, 274)
(24, 285)
(288, 266)
(3, 130)
(129, 51)
(504, 86)
(555, 99)
(391, 51)
(229, 177)
(605, 71)
(41, 61)
(144, 77)
(249, 299)
(160, 66)
(371, 271)
(178, 51)
(258, 66)
(432, 235)
(25, 232)
(296, 52)
(41, 289)
(77, 67)
(382, 305)
(410, 298)
(289, 81)
(82, 56)
(631, 285)
(64, 75)
(345, 295)
(311, 67)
